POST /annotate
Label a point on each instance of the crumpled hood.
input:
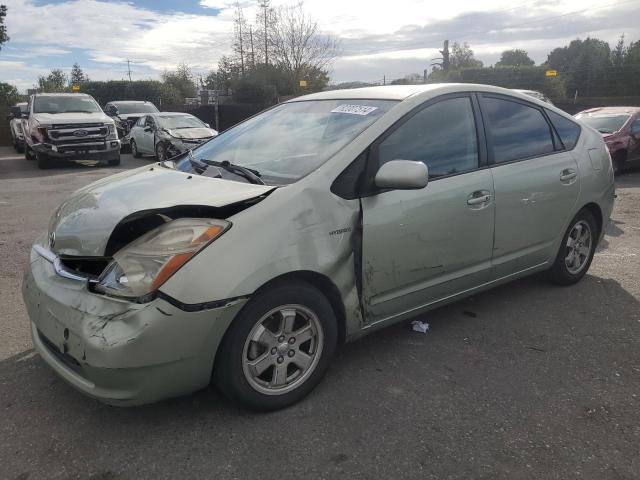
(71, 118)
(83, 223)
(193, 132)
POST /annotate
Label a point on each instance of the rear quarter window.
(568, 131)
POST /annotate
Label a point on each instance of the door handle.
(478, 198)
(568, 174)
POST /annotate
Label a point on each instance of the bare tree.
(297, 45)
(239, 33)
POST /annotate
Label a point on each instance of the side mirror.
(402, 175)
(148, 129)
(207, 125)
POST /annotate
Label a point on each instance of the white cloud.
(377, 38)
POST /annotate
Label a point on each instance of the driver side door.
(147, 135)
(423, 246)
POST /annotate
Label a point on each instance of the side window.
(517, 130)
(568, 131)
(141, 121)
(150, 122)
(442, 135)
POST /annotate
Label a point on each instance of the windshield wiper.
(200, 165)
(249, 173)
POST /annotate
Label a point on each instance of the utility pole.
(445, 56)
(384, 80)
(253, 58)
(129, 69)
(264, 5)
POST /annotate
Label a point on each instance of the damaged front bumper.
(120, 352)
(103, 150)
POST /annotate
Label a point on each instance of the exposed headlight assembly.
(141, 267)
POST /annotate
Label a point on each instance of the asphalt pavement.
(526, 381)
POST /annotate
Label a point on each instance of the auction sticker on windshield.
(354, 109)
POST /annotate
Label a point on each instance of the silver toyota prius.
(249, 259)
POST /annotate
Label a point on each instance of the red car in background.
(620, 128)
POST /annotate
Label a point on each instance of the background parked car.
(15, 125)
(534, 94)
(620, 128)
(168, 134)
(68, 126)
(125, 114)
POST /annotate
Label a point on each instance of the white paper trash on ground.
(418, 326)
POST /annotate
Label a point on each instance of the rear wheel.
(134, 149)
(576, 251)
(278, 347)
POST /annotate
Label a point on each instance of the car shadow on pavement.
(523, 364)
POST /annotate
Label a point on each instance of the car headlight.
(112, 133)
(145, 264)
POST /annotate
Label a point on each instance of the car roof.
(62, 95)
(611, 110)
(169, 114)
(403, 92)
(129, 101)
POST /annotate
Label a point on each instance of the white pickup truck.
(68, 126)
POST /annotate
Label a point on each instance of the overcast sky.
(391, 38)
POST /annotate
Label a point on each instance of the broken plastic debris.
(418, 326)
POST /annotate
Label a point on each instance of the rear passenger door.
(535, 179)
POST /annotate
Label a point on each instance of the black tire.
(19, 148)
(44, 162)
(228, 369)
(28, 153)
(560, 272)
(161, 152)
(134, 149)
(619, 161)
(114, 162)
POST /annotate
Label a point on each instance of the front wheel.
(28, 153)
(278, 347)
(161, 151)
(44, 162)
(576, 250)
(619, 161)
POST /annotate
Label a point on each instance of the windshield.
(291, 140)
(178, 122)
(604, 123)
(50, 104)
(126, 108)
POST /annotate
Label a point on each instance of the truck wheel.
(278, 348)
(619, 160)
(44, 162)
(134, 149)
(28, 153)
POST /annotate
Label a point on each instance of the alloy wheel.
(578, 247)
(282, 349)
